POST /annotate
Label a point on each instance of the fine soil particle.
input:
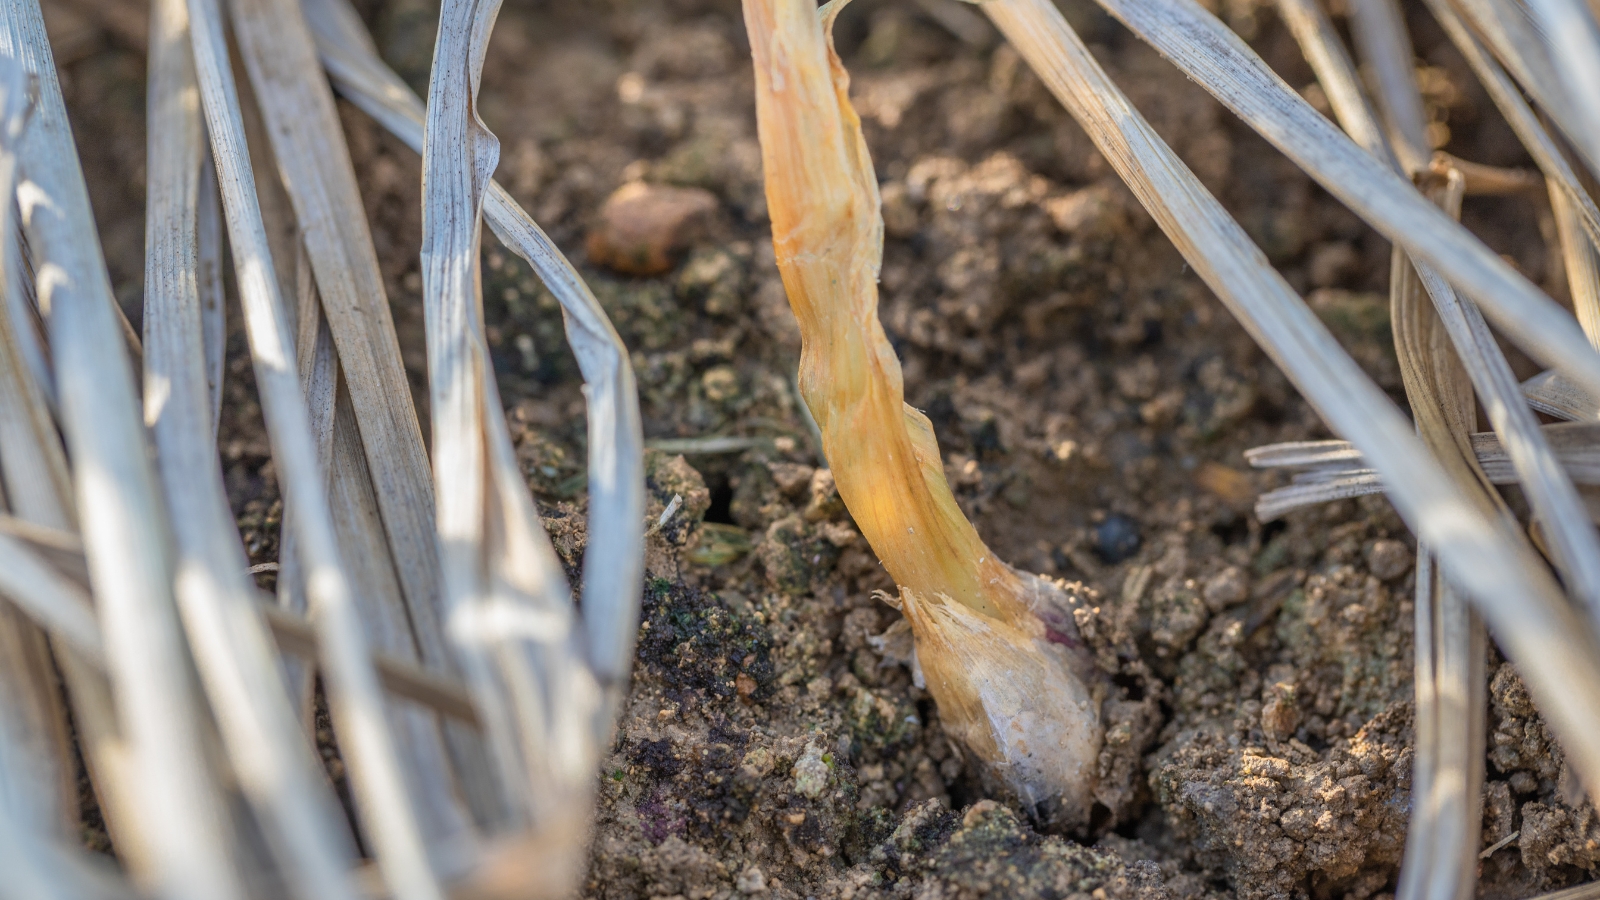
(1092, 400)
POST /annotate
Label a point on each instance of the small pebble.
(643, 227)
(1226, 588)
(792, 479)
(1388, 559)
(751, 881)
(1117, 538)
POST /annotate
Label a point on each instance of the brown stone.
(644, 227)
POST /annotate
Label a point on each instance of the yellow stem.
(827, 229)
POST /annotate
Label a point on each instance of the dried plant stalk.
(1447, 775)
(32, 471)
(1582, 264)
(612, 564)
(1553, 496)
(38, 866)
(233, 652)
(1546, 155)
(1568, 30)
(1572, 538)
(1337, 74)
(169, 795)
(354, 696)
(1553, 395)
(1379, 28)
(508, 606)
(381, 487)
(1510, 586)
(1207, 51)
(308, 144)
(1004, 687)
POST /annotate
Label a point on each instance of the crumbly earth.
(1092, 399)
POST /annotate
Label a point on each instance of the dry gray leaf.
(612, 571)
(1511, 587)
(122, 517)
(353, 693)
(1224, 65)
(232, 649)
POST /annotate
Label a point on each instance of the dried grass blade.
(1553, 495)
(1204, 49)
(1509, 583)
(1554, 499)
(426, 750)
(1379, 29)
(1442, 841)
(49, 598)
(1573, 540)
(400, 676)
(33, 474)
(213, 295)
(47, 581)
(30, 699)
(1549, 489)
(1519, 115)
(36, 476)
(383, 498)
(1336, 73)
(354, 695)
(308, 144)
(173, 800)
(1582, 264)
(506, 599)
(1302, 453)
(1567, 31)
(232, 649)
(27, 330)
(612, 568)
(36, 866)
(1554, 395)
(1576, 446)
(1338, 485)
(318, 368)
(1511, 31)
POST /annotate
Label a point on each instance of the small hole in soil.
(1152, 333)
(1272, 529)
(1233, 531)
(1132, 685)
(721, 500)
(1099, 818)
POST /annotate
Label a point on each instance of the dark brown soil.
(1092, 400)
